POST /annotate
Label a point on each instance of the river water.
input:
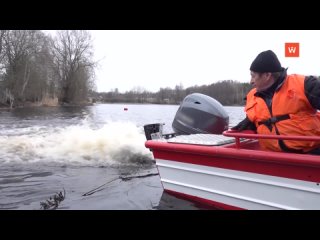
(94, 156)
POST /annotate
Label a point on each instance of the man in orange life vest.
(282, 104)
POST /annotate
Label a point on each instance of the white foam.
(114, 143)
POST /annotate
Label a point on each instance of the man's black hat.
(266, 61)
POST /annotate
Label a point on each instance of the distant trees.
(37, 68)
(227, 92)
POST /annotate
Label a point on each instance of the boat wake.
(114, 144)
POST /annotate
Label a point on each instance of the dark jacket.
(312, 91)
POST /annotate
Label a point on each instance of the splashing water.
(113, 144)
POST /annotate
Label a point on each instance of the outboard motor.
(199, 113)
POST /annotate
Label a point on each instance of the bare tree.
(73, 51)
(29, 65)
(43, 81)
(2, 36)
(19, 47)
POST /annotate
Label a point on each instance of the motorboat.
(226, 169)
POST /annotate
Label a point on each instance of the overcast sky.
(155, 59)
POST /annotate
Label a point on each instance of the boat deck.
(202, 139)
(211, 140)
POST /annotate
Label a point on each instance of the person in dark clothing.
(282, 104)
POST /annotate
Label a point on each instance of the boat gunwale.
(231, 151)
(248, 134)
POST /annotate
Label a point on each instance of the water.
(95, 154)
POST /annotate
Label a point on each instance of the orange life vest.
(295, 116)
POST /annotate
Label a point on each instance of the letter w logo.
(292, 49)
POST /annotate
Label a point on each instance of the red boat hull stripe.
(295, 166)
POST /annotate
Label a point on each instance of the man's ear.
(269, 75)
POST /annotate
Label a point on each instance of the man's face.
(261, 81)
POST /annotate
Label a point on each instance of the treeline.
(227, 92)
(38, 69)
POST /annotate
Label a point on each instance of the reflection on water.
(96, 149)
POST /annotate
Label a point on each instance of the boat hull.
(230, 189)
(231, 178)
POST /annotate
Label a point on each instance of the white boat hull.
(238, 189)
